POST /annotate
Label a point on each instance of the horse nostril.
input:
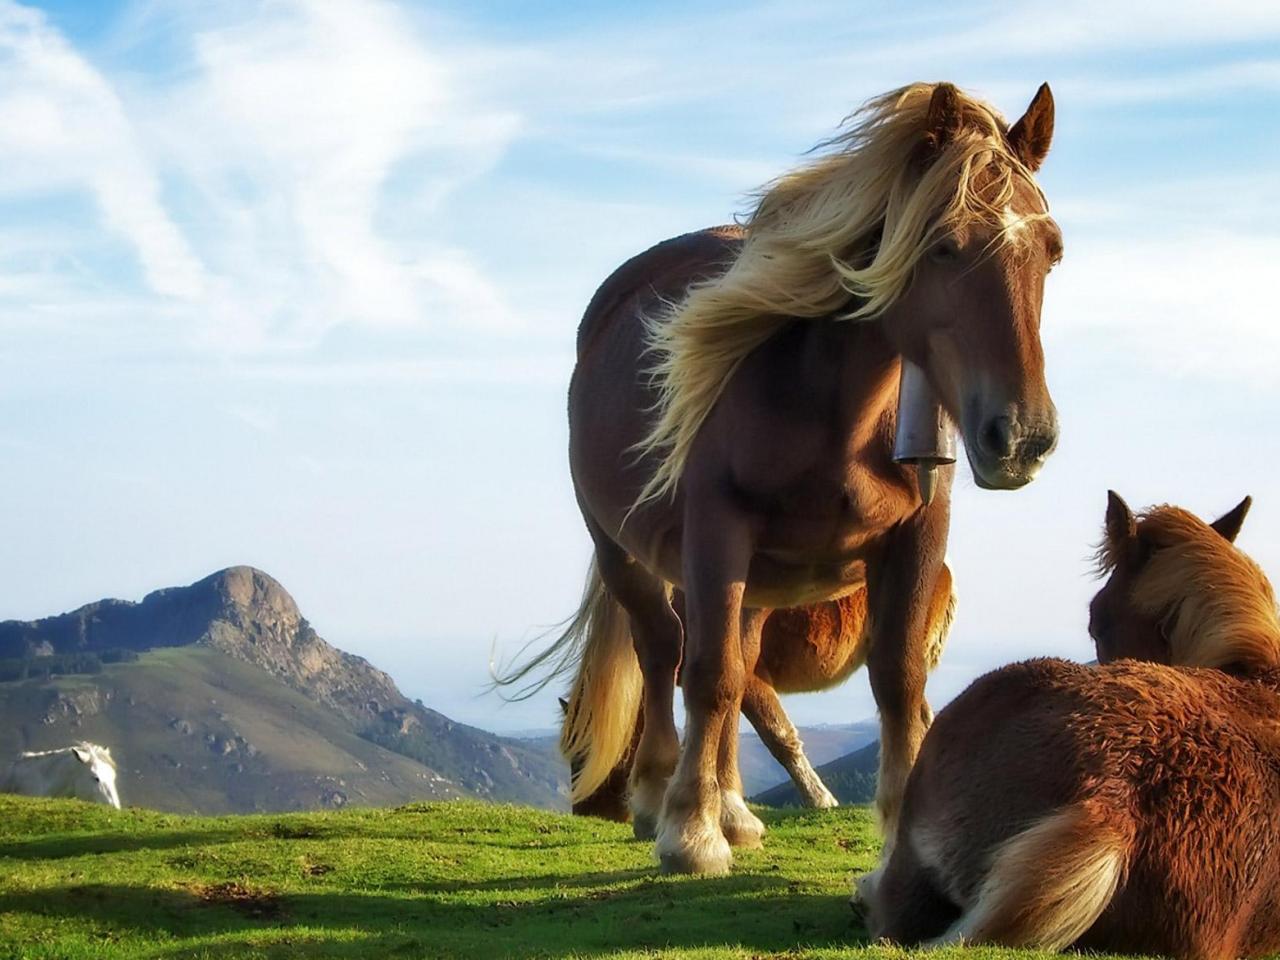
(1040, 446)
(997, 436)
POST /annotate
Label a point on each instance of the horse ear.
(1121, 526)
(83, 755)
(564, 705)
(944, 119)
(1029, 138)
(1230, 522)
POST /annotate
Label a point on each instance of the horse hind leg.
(764, 711)
(902, 902)
(657, 638)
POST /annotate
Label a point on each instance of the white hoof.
(864, 892)
(694, 846)
(740, 826)
(823, 800)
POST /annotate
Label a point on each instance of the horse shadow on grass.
(627, 910)
(63, 846)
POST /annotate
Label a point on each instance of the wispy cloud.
(62, 127)
(273, 154)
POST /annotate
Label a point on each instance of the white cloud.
(277, 146)
(63, 127)
(1198, 303)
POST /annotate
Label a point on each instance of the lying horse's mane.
(842, 232)
(1216, 605)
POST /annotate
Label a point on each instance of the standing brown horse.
(1130, 807)
(802, 649)
(732, 419)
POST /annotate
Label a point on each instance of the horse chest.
(834, 513)
(819, 538)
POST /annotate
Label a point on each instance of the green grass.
(451, 879)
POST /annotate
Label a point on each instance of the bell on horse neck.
(924, 435)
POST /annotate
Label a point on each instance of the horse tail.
(604, 701)
(1048, 884)
(942, 614)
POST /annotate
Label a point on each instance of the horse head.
(94, 778)
(970, 315)
(1180, 592)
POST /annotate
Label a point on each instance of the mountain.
(220, 697)
(852, 778)
(822, 743)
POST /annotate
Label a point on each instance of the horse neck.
(853, 369)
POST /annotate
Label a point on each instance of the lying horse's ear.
(1030, 137)
(84, 756)
(1230, 522)
(1121, 526)
(944, 119)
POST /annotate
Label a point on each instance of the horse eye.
(944, 251)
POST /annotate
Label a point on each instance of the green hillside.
(456, 879)
(193, 729)
(220, 697)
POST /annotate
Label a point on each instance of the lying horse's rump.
(1126, 808)
(1129, 807)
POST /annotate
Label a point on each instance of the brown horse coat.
(1131, 807)
(731, 427)
(802, 649)
(1151, 792)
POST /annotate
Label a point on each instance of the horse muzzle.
(1008, 448)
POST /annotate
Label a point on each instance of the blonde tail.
(1049, 884)
(604, 702)
(942, 614)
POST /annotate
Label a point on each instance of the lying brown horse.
(802, 649)
(732, 418)
(1132, 807)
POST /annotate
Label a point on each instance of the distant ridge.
(198, 634)
(851, 778)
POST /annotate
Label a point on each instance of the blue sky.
(296, 284)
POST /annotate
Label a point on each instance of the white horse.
(85, 771)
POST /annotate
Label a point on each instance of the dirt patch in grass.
(258, 904)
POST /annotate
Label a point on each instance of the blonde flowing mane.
(841, 233)
(1216, 604)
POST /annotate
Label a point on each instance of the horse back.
(664, 271)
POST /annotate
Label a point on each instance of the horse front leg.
(716, 555)
(902, 588)
(740, 826)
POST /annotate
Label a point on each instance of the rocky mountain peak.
(252, 592)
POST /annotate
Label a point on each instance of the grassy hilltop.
(449, 879)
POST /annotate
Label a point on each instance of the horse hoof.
(864, 889)
(741, 827)
(644, 826)
(824, 801)
(703, 851)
